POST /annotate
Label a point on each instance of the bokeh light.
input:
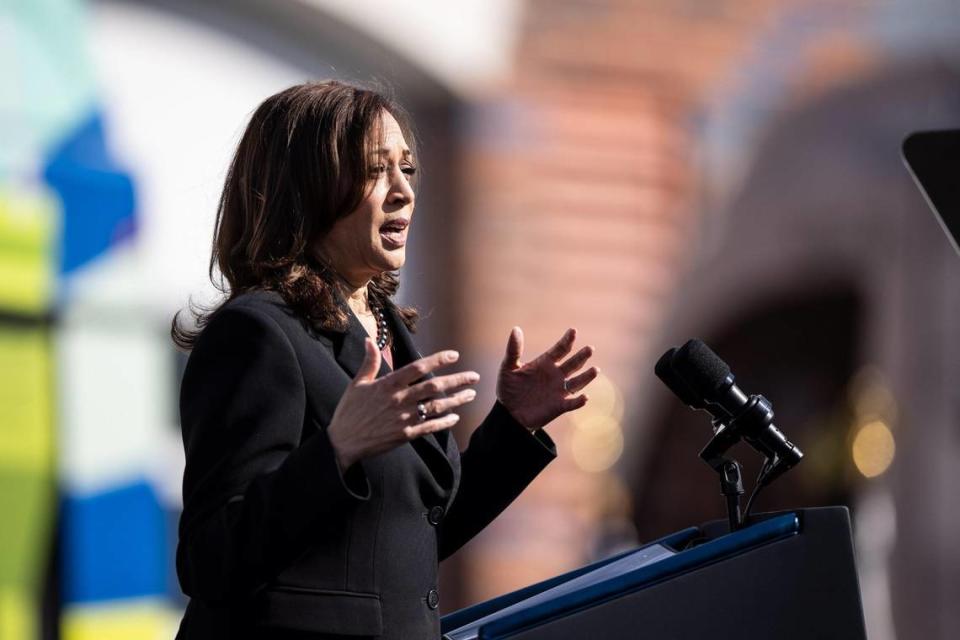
(873, 448)
(597, 447)
(597, 439)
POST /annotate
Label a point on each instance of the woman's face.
(372, 238)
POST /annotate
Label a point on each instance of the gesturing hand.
(538, 391)
(377, 414)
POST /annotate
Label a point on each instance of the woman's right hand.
(377, 414)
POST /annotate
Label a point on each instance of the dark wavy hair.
(301, 166)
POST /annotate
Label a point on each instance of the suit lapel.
(348, 351)
(409, 353)
(348, 347)
(433, 447)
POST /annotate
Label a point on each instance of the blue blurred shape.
(97, 196)
(114, 545)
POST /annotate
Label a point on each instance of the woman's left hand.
(538, 391)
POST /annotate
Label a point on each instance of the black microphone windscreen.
(700, 367)
(665, 371)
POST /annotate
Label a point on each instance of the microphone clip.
(728, 470)
(754, 425)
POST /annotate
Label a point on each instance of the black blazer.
(276, 541)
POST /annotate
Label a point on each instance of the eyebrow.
(382, 152)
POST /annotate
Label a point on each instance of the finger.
(430, 426)
(563, 345)
(574, 403)
(576, 361)
(514, 349)
(442, 405)
(439, 385)
(410, 373)
(371, 362)
(578, 382)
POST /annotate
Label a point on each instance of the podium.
(786, 575)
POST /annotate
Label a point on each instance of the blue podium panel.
(787, 576)
(468, 615)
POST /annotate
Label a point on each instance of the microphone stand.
(756, 418)
(729, 470)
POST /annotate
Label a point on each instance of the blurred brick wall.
(582, 180)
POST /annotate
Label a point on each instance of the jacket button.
(435, 515)
(433, 599)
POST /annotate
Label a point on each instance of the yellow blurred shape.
(873, 448)
(606, 402)
(141, 620)
(28, 222)
(18, 614)
(26, 395)
(598, 446)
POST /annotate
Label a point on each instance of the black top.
(276, 541)
(933, 158)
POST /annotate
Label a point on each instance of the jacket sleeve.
(501, 459)
(252, 491)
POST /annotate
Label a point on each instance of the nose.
(401, 191)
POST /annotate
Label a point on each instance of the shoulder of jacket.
(256, 308)
(269, 304)
(258, 299)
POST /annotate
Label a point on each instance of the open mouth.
(394, 233)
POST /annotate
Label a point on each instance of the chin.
(393, 260)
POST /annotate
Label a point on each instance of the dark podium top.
(787, 575)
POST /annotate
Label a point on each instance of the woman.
(322, 485)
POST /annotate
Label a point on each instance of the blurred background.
(645, 171)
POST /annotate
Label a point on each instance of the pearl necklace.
(383, 333)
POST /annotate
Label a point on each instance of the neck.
(352, 285)
(354, 293)
(356, 296)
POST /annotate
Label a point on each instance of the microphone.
(680, 388)
(702, 380)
